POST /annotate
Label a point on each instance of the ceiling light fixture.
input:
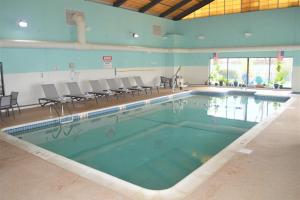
(135, 35)
(201, 37)
(247, 34)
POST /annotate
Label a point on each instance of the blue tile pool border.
(103, 112)
(16, 130)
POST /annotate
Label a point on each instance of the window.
(255, 72)
(216, 7)
(218, 70)
(281, 72)
(259, 71)
(237, 70)
(221, 7)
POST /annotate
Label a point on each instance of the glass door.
(281, 72)
(237, 71)
(259, 72)
(255, 72)
(218, 71)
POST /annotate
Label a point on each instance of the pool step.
(216, 128)
(164, 171)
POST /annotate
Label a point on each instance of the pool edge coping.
(181, 189)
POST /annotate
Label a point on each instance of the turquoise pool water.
(157, 145)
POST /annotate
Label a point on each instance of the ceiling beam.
(175, 7)
(118, 3)
(149, 5)
(192, 9)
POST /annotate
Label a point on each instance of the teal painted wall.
(42, 60)
(273, 27)
(109, 25)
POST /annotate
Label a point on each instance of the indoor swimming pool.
(157, 144)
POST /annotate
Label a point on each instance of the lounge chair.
(105, 87)
(127, 84)
(115, 86)
(95, 88)
(99, 90)
(52, 97)
(75, 93)
(128, 89)
(140, 83)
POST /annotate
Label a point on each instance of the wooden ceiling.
(172, 9)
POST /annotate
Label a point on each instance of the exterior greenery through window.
(256, 72)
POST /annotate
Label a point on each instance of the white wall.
(151, 76)
(195, 75)
(29, 84)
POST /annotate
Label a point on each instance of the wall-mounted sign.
(107, 61)
(215, 58)
(280, 55)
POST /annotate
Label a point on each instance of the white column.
(296, 79)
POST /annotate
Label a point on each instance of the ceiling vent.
(156, 29)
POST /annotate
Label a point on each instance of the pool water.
(157, 145)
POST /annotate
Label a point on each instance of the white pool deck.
(262, 164)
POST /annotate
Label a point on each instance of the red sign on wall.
(107, 58)
(107, 61)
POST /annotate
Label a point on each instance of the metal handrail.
(174, 78)
(2, 80)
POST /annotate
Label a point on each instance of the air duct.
(77, 18)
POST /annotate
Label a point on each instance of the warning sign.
(107, 61)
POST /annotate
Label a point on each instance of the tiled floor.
(270, 172)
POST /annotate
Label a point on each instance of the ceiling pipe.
(80, 24)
